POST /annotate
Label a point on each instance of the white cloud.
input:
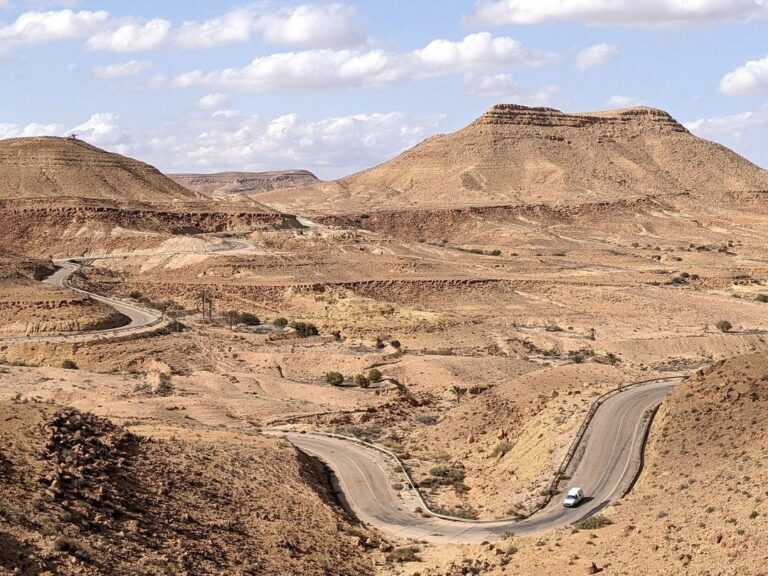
(236, 26)
(481, 49)
(751, 79)
(339, 69)
(317, 26)
(28, 130)
(308, 25)
(331, 146)
(40, 27)
(131, 37)
(231, 140)
(623, 102)
(504, 88)
(130, 68)
(103, 129)
(594, 56)
(210, 101)
(640, 13)
(494, 85)
(734, 125)
(541, 97)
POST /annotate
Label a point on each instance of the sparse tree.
(724, 326)
(205, 306)
(374, 375)
(334, 378)
(249, 319)
(305, 329)
(458, 391)
(233, 317)
(69, 364)
(362, 381)
(173, 310)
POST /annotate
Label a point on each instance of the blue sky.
(336, 87)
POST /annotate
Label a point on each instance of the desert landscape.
(470, 340)
(400, 371)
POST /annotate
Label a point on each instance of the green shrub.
(374, 376)
(404, 554)
(362, 381)
(448, 475)
(593, 523)
(578, 358)
(135, 295)
(501, 449)
(495, 253)
(334, 378)
(724, 326)
(280, 322)
(762, 298)
(69, 364)
(249, 319)
(304, 329)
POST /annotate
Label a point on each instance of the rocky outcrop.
(637, 119)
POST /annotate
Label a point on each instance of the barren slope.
(699, 506)
(82, 496)
(518, 155)
(57, 168)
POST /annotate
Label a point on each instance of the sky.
(336, 87)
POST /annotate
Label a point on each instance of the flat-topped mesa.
(640, 117)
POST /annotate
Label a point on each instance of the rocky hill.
(64, 196)
(48, 167)
(82, 496)
(231, 183)
(515, 155)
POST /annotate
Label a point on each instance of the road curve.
(610, 459)
(139, 317)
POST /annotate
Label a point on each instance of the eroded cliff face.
(71, 230)
(631, 119)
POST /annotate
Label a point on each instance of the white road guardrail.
(556, 479)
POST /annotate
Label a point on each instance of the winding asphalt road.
(609, 459)
(140, 319)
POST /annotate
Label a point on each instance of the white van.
(573, 498)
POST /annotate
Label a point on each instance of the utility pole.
(206, 307)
